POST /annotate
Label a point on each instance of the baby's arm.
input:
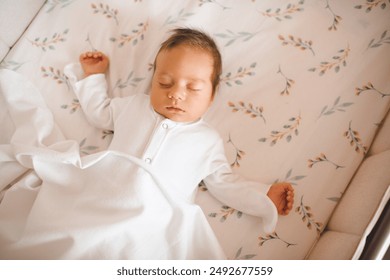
(90, 86)
(94, 63)
(282, 195)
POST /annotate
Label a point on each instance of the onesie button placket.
(163, 128)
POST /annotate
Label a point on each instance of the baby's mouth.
(174, 109)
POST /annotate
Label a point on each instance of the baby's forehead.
(188, 47)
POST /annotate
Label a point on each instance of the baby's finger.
(97, 55)
(289, 188)
(83, 56)
(290, 202)
(284, 211)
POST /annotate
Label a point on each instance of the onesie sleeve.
(235, 191)
(100, 110)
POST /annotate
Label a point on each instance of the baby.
(166, 129)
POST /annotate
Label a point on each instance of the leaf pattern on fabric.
(105, 10)
(202, 187)
(370, 87)
(289, 130)
(335, 199)
(203, 2)
(232, 37)
(55, 74)
(273, 236)
(384, 39)
(291, 179)
(308, 217)
(354, 139)
(87, 149)
(297, 42)
(230, 79)
(11, 65)
(240, 256)
(339, 60)
(52, 4)
(73, 107)
(107, 133)
(288, 83)
(136, 35)
(336, 107)
(249, 109)
(225, 212)
(130, 81)
(336, 19)
(322, 158)
(371, 4)
(179, 17)
(238, 154)
(49, 43)
(284, 13)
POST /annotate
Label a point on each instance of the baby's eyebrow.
(163, 75)
(195, 80)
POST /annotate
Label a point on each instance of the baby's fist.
(94, 63)
(282, 195)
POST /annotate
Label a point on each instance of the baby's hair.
(196, 39)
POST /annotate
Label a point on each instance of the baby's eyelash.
(164, 85)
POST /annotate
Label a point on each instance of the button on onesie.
(159, 136)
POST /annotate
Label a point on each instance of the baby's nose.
(178, 93)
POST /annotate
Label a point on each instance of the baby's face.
(181, 85)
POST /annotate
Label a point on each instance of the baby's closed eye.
(194, 89)
(164, 85)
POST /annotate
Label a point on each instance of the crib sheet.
(304, 88)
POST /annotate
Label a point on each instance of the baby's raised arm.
(94, 63)
(92, 90)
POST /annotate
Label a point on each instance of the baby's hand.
(282, 195)
(94, 63)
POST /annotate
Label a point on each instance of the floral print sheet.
(304, 88)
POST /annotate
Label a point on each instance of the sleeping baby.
(165, 129)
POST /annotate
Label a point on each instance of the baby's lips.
(174, 108)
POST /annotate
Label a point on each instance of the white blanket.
(80, 210)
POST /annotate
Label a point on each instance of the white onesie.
(183, 153)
